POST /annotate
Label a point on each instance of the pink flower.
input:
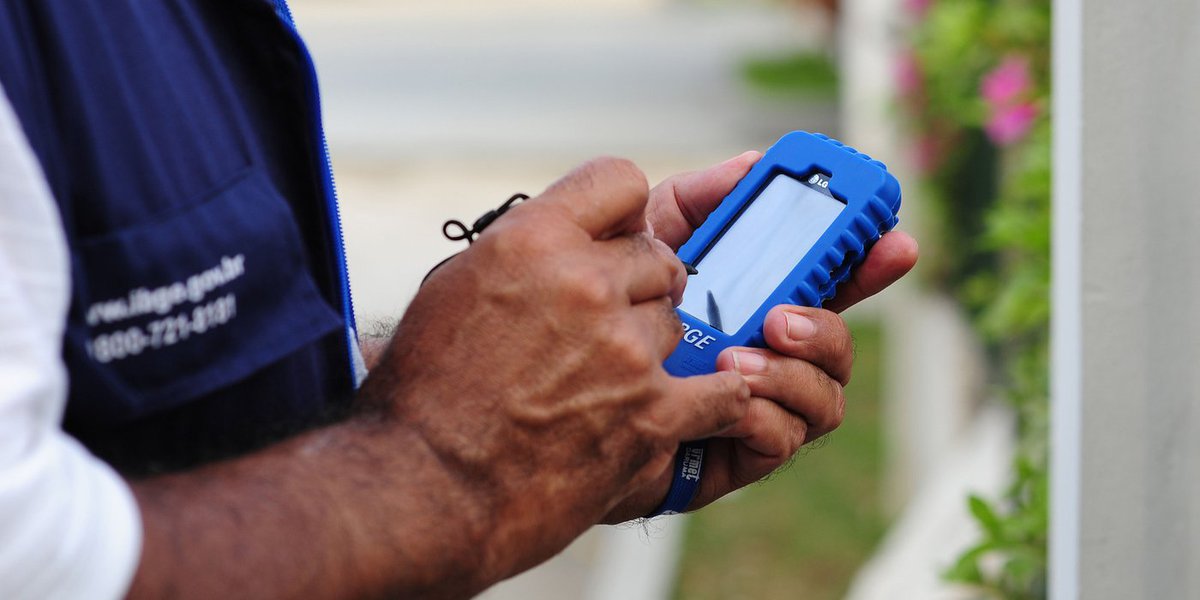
(1006, 83)
(927, 153)
(1009, 124)
(907, 73)
(917, 7)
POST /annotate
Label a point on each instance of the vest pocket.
(175, 309)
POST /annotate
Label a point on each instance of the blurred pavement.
(434, 111)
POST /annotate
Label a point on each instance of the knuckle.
(786, 440)
(672, 324)
(782, 435)
(838, 356)
(831, 324)
(588, 289)
(739, 389)
(517, 237)
(735, 402)
(798, 436)
(657, 265)
(631, 355)
(837, 409)
(654, 429)
(505, 245)
(618, 170)
(848, 371)
(844, 340)
(670, 269)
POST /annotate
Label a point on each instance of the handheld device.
(788, 233)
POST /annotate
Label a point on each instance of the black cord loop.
(489, 217)
(469, 234)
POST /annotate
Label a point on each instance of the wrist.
(418, 529)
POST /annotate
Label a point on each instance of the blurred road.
(567, 81)
(438, 110)
(435, 111)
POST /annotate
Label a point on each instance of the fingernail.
(799, 328)
(749, 363)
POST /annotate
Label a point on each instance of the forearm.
(360, 509)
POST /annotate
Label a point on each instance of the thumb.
(681, 203)
(605, 196)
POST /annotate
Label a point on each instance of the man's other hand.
(796, 383)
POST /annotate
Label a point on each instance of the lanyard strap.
(685, 481)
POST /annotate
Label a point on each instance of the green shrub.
(976, 92)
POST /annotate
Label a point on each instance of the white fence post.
(1126, 471)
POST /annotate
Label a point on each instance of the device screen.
(762, 245)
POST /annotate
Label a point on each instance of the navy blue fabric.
(178, 139)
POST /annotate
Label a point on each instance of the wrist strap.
(685, 481)
(470, 233)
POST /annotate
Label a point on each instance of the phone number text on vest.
(164, 332)
(175, 323)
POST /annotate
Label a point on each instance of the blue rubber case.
(872, 198)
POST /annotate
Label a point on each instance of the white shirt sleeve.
(69, 525)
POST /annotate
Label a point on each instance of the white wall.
(1126, 478)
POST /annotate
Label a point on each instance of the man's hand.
(531, 366)
(797, 383)
(522, 398)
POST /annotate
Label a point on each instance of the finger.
(681, 203)
(701, 406)
(795, 385)
(658, 319)
(814, 335)
(892, 256)
(770, 433)
(648, 269)
(731, 464)
(605, 196)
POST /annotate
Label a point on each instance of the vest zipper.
(333, 212)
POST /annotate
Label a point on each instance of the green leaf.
(986, 516)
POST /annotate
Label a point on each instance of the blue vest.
(182, 141)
